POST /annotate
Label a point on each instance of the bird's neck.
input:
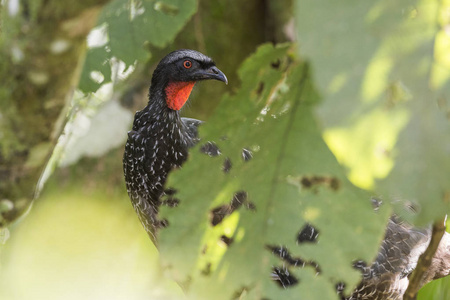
(157, 119)
(157, 111)
(177, 93)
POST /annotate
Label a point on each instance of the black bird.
(160, 138)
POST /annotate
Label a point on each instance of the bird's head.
(177, 73)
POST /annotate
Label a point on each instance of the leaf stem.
(424, 263)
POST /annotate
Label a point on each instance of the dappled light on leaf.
(291, 179)
(379, 101)
(366, 146)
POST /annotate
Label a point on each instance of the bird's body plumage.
(387, 277)
(160, 138)
(156, 145)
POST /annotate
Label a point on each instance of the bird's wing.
(190, 126)
(387, 277)
(401, 248)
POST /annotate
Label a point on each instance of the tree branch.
(423, 265)
(42, 53)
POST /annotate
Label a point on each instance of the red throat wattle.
(177, 93)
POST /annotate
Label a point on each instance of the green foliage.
(383, 69)
(292, 179)
(90, 236)
(131, 25)
(40, 46)
(438, 289)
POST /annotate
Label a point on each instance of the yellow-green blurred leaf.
(383, 70)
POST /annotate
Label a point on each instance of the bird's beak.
(213, 73)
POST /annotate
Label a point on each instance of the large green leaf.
(383, 68)
(97, 60)
(291, 179)
(130, 25)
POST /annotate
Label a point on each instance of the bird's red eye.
(187, 64)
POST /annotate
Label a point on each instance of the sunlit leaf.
(385, 61)
(284, 179)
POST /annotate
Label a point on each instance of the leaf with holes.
(97, 62)
(383, 68)
(130, 25)
(261, 197)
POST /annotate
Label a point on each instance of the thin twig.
(424, 262)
